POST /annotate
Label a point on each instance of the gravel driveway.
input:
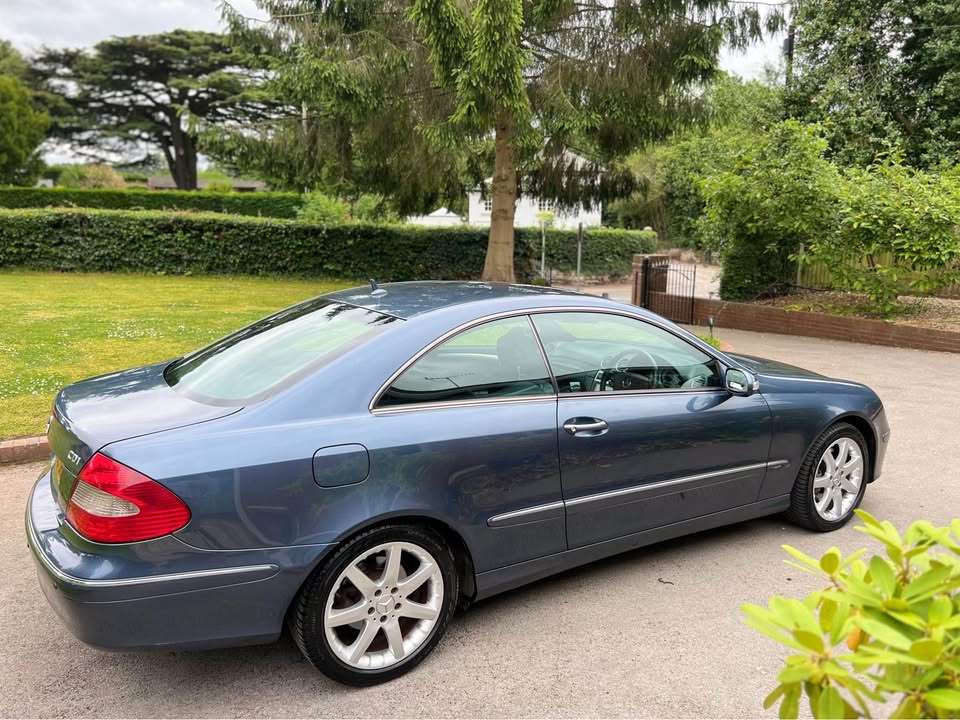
(656, 632)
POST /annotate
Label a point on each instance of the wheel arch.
(463, 557)
(866, 429)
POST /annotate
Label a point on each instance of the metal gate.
(666, 288)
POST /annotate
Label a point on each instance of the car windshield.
(260, 359)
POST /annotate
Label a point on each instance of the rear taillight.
(112, 503)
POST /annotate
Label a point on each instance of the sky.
(31, 24)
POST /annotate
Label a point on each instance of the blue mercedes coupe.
(357, 466)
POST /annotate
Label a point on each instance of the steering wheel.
(697, 381)
(615, 371)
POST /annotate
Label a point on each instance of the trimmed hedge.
(264, 204)
(607, 252)
(179, 243)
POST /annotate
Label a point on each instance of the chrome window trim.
(494, 520)
(706, 350)
(610, 394)
(543, 356)
(446, 404)
(372, 407)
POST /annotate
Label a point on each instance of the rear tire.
(832, 480)
(378, 606)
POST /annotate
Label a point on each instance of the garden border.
(24, 449)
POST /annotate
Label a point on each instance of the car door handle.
(585, 427)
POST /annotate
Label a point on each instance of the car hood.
(778, 377)
(773, 368)
(123, 405)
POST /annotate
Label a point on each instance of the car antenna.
(376, 290)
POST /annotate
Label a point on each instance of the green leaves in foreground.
(883, 629)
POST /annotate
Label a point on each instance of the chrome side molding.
(538, 513)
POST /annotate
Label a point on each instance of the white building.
(440, 217)
(528, 207)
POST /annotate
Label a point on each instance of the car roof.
(406, 299)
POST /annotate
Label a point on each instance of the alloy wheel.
(838, 479)
(384, 605)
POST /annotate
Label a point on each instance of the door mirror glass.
(740, 382)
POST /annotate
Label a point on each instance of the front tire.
(832, 480)
(378, 606)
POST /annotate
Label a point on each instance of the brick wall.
(763, 318)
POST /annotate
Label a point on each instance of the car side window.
(498, 359)
(602, 352)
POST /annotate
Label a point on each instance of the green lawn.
(58, 328)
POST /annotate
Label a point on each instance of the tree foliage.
(883, 628)
(358, 84)
(131, 93)
(12, 62)
(773, 193)
(550, 95)
(22, 129)
(736, 112)
(880, 73)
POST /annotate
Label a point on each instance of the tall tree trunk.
(498, 266)
(184, 158)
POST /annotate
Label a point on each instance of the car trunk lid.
(93, 413)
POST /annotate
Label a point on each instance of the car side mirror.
(740, 382)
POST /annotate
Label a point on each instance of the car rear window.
(272, 353)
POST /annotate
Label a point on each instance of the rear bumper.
(160, 593)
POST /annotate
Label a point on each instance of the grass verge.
(59, 328)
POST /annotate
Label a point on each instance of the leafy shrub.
(265, 204)
(710, 340)
(92, 177)
(130, 176)
(52, 172)
(757, 197)
(373, 208)
(739, 112)
(898, 616)
(220, 185)
(645, 207)
(320, 208)
(897, 231)
(176, 243)
(778, 193)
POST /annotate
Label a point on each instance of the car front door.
(469, 432)
(648, 435)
